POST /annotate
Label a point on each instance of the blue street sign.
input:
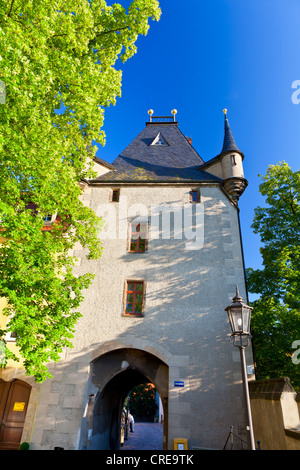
(178, 383)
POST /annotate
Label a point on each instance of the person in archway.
(131, 422)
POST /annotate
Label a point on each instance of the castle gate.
(113, 375)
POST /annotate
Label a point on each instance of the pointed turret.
(228, 165)
(232, 163)
(229, 142)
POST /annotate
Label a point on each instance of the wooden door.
(14, 397)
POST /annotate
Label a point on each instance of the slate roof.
(229, 142)
(177, 161)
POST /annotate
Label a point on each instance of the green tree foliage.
(276, 314)
(58, 64)
(142, 401)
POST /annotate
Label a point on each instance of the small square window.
(195, 195)
(134, 298)
(48, 217)
(10, 335)
(115, 195)
(138, 238)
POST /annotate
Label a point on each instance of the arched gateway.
(113, 375)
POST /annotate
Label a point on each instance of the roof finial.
(225, 111)
(237, 297)
(150, 112)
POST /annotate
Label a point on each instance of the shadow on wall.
(186, 294)
(184, 314)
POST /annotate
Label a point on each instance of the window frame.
(115, 190)
(50, 218)
(9, 337)
(160, 138)
(197, 191)
(134, 292)
(130, 237)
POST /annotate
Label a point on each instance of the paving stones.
(146, 436)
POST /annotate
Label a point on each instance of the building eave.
(104, 163)
(152, 183)
(219, 157)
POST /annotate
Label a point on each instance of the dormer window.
(160, 141)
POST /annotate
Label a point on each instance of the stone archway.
(114, 374)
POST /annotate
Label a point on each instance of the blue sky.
(203, 56)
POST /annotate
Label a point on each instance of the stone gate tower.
(155, 312)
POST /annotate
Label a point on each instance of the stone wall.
(275, 413)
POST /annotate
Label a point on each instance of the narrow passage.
(146, 436)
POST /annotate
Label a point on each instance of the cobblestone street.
(146, 436)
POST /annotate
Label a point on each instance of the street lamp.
(239, 315)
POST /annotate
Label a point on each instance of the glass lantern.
(239, 315)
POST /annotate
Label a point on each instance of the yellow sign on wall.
(19, 406)
(180, 443)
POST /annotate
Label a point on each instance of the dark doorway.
(14, 398)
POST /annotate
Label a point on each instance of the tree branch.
(292, 203)
(11, 7)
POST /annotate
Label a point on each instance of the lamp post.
(239, 315)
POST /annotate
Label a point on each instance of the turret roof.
(229, 142)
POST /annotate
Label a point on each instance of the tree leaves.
(276, 318)
(58, 65)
